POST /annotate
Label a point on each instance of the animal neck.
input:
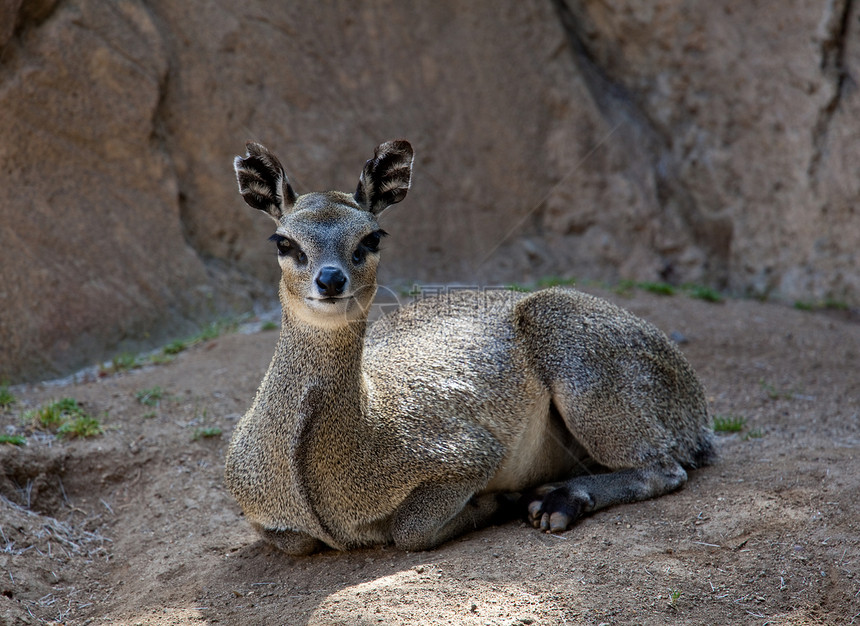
(322, 357)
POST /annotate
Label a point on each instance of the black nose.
(331, 281)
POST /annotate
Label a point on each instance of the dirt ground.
(135, 526)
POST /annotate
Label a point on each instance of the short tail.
(705, 452)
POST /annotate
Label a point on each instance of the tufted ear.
(386, 177)
(263, 182)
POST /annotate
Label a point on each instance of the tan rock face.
(758, 112)
(657, 141)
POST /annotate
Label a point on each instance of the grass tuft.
(54, 414)
(517, 287)
(128, 361)
(828, 304)
(15, 440)
(6, 397)
(775, 393)
(755, 433)
(210, 331)
(151, 396)
(835, 305)
(206, 433)
(661, 289)
(729, 423)
(81, 426)
(121, 363)
(175, 347)
(702, 292)
(624, 287)
(735, 424)
(161, 358)
(64, 417)
(124, 362)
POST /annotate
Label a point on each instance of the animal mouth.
(330, 300)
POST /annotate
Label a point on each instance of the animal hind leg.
(554, 507)
(290, 541)
(434, 514)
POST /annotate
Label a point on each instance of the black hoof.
(556, 510)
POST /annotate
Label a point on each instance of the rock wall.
(756, 119)
(707, 142)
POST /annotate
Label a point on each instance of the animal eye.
(371, 242)
(286, 247)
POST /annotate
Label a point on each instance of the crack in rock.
(833, 30)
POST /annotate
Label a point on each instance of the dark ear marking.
(386, 177)
(263, 182)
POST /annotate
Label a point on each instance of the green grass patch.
(206, 433)
(518, 288)
(701, 292)
(827, 304)
(128, 361)
(208, 332)
(65, 417)
(121, 363)
(627, 287)
(15, 440)
(175, 347)
(835, 305)
(214, 330)
(729, 423)
(151, 396)
(125, 362)
(775, 393)
(661, 289)
(755, 433)
(772, 392)
(269, 326)
(81, 426)
(54, 414)
(161, 358)
(6, 397)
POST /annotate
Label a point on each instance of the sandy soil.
(135, 526)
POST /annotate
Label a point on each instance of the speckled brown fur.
(412, 431)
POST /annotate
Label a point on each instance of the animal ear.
(386, 177)
(263, 182)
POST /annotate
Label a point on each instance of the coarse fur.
(419, 428)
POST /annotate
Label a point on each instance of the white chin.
(330, 312)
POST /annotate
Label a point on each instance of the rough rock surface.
(712, 143)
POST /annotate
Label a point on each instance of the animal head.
(327, 242)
